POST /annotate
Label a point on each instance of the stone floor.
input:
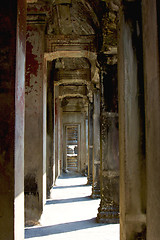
(70, 214)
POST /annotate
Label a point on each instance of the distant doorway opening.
(72, 148)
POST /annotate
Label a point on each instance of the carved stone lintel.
(59, 43)
(57, 2)
(36, 18)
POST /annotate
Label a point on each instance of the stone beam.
(62, 2)
(82, 90)
(32, 1)
(91, 56)
(68, 82)
(73, 96)
(56, 43)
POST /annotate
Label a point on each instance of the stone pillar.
(131, 125)
(35, 115)
(151, 40)
(60, 142)
(96, 146)
(12, 89)
(108, 211)
(82, 138)
(90, 144)
(56, 129)
(50, 128)
(87, 151)
(64, 166)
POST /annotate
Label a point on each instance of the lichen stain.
(31, 63)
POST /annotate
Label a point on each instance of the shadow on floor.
(61, 228)
(70, 186)
(70, 174)
(69, 200)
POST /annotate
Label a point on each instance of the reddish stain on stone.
(29, 28)
(31, 63)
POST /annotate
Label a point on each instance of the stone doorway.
(72, 146)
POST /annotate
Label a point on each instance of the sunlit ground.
(70, 214)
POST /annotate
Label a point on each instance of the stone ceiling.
(76, 27)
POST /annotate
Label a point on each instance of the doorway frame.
(64, 166)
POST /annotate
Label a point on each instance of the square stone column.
(50, 128)
(151, 50)
(90, 144)
(35, 119)
(57, 129)
(132, 125)
(82, 141)
(108, 211)
(60, 141)
(96, 146)
(87, 150)
(12, 91)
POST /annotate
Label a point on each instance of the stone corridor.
(80, 91)
(70, 213)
